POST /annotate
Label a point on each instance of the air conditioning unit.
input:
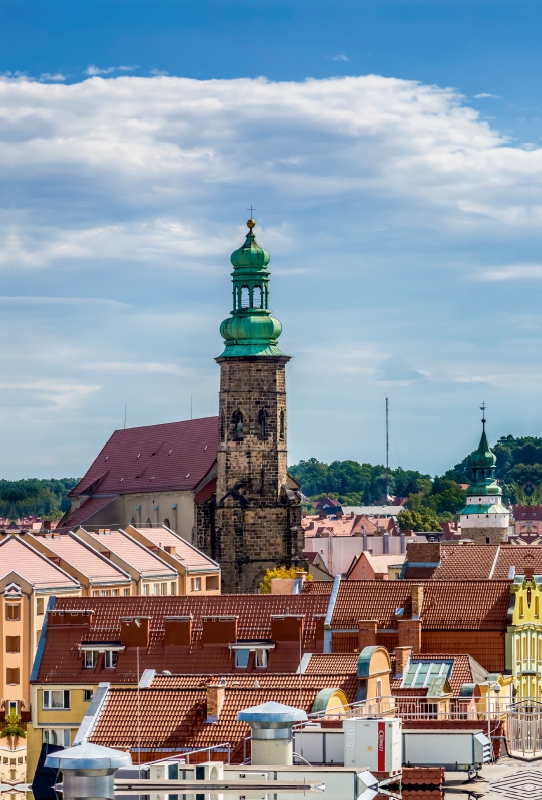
(209, 771)
(374, 744)
(457, 751)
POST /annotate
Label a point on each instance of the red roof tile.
(447, 605)
(61, 659)
(182, 713)
(84, 512)
(174, 455)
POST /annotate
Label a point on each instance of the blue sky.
(392, 152)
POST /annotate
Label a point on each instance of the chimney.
(402, 657)
(171, 549)
(367, 633)
(386, 543)
(135, 631)
(417, 599)
(47, 525)
(410, 634)
(423, 553)
(365, 546)
(339, 515)
(403, 543)
(322, 515)
(178, 632)
(320, 621)
(219, 631)
(216, 693)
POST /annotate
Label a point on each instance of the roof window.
(421, 673)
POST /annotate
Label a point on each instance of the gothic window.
(262, 424)
(222, 428)
(281, 425)
(245, 299)
(257, 297)
(166, 523)
(238, 424)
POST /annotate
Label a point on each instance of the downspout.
(329, 614)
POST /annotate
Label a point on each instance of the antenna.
(124, 417)
(191, 407)
(387, 453)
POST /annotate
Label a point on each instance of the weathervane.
(483, 409)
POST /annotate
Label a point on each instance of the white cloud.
(512, 272)
(481, 95)
(340, 57)
(47, 76)
(156, 71)
(93, 70)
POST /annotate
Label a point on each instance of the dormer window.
(111, 658)
(91, 659)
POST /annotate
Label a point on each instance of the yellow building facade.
(524, 637)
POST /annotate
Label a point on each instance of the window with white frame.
(111, 658)
(195, 584)
(56, 698)
(156, 588)
(421, 673)
(145, 588)
(163, 588)
(261, 658)
(91, 659)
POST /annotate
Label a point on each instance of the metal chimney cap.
(272, 712)
(88, 757)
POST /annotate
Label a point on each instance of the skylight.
(421, 673)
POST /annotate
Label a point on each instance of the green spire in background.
(483, 463)
(251, 330)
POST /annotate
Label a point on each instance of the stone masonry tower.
(484, 519)
(257, 521)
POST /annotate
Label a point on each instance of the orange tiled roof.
(333, 663)
(190, 557)
(61, 660)
(136, 555)
(182, 713)
(81, 556)
(18, 556)
(479, 562)
(447, 605)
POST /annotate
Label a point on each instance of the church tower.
(257, 520)
(484, 519)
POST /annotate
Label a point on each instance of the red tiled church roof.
(171, 456)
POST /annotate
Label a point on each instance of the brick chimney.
(417, 600)
(135, 631)
(216, 693)
(178, 632)
(423, 552)
(402, 657)
(367, 633)
(171, 549)
(339, 515)
(410, 634)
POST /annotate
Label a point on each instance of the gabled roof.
(18, 556)
(80, 555)
(124, 546)
(477, 562)
(171, 456)
(192, 559)
(447, 605)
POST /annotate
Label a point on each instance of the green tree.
(279, 572)
(423, 521)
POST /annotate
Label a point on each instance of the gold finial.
(251, 224)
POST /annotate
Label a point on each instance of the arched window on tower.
(238, 425)
(257, 297)
(222, 428)
(166, 523)
(281, 425)
(262, 424)
(245, 299)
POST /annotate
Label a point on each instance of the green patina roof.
(480, 508)
(483, 462)
(322, 699)
(484, 456)
(251, 330)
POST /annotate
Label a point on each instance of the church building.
(484, 519)
(220, 482)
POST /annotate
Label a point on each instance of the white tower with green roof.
(484, 519)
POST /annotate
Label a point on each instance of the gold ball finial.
(251, 224)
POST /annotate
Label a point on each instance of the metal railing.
(524, 728)
(224, 747)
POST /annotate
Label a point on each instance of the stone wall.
(258, 526)
(485, 535)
